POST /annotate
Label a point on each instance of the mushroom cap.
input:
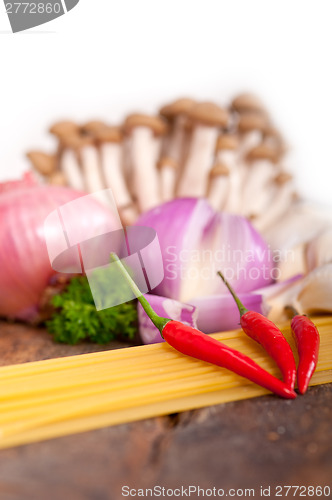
(76, 141)
(167, 161)
(273, 135)
(264, 152)
(63, 128)
(208, 113)
(92, 127)
(178, 107)
(109, 134)
(252, 121)
(44, 163)
(246, 102)
(219, 169)
(227, 141)
(156, 123)
(283, 177)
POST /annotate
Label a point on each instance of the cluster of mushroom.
(231, 156)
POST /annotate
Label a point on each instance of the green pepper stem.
(239, 304)
(157, 320)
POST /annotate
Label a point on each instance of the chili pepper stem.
(157, 320)
(239, 304)
(291, 311)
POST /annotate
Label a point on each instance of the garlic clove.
(309, 295)
(292, 262)
(315, 295)
(319, 250)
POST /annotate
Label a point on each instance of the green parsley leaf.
(76, 318)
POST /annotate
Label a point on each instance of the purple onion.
(195, 243)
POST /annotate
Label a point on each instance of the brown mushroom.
(85, 148)
(208, 119)
(69, 163)
(45, 164)
(258, 189)
(223, 175)
(145, 132)
(110, 141)
(274, 138)
(57, 179)
(251, 127)
(176, 145)
(244, 103)
(93, 127)
(63, 128)
(218, 187)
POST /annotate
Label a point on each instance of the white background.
(109, 57)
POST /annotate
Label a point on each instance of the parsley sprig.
(75, 317)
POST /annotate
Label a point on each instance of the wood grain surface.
(265, 441)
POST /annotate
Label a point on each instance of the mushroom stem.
(110, 141)
(171, 161)
(68, 160)
(81, 164)
(91, 168)
(223, 190)
(194, 179)
(112, 160)
(251, 126)
(168, 174)
(57, 179)
(71, 169)
(219, 185)
(233, 201)
(259, 188)
(207, 119)
(144, 165)
(144, 132)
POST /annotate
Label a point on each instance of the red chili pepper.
(196, 344)
(266, 333)
(307, 341)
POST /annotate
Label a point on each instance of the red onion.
(25, 268)
(28, 180)
(196, 242)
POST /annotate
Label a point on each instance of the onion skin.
(28, 180)
(25, 269)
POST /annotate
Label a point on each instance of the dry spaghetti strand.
(56, 397)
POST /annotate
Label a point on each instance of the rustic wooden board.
(266, 441)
